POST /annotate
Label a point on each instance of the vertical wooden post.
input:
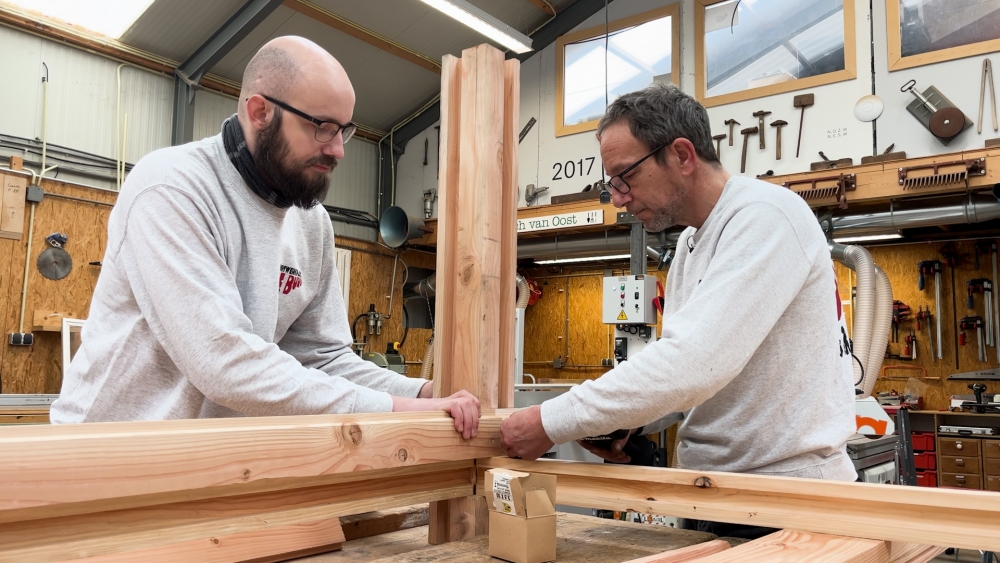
(476, 249)
(508, 256)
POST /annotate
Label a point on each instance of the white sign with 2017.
(561, 221)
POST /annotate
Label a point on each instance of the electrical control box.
(628, 300)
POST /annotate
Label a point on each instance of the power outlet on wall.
(20, 339)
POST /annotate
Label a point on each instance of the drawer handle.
(960, 462)
(958, 445)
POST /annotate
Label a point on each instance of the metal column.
(187, 76)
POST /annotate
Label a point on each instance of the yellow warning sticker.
(622, 316)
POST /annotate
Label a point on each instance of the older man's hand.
(523, 436)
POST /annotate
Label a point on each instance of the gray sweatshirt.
(214, 303)
(752, 349)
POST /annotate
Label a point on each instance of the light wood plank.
(57, 465)
(444, 314)
(151, 527)
(275, 544)
(478, 229)
(906, 552)
(375, 523)
(791, 546)
(685, 554)
(470, 252)
(508, 228)
(957, 518)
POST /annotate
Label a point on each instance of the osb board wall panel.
(900, 264)
(545, 328)
(38, 368)
(371, 277)
(588, 338)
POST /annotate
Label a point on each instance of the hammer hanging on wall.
(746, 139)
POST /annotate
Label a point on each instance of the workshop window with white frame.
(769, 42)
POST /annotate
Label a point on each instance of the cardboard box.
(522, 516)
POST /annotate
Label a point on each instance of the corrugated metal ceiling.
(388, 88)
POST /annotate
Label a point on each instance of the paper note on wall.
(12, 206)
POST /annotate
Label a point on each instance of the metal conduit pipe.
(575, 246)
(948, 210)
(974, 208)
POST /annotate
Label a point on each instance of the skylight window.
(110, 18)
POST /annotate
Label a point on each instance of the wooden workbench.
(580, 539)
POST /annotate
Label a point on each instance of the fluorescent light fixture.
(483, 23)
(110, 18)
(585, 259)
(867, 238)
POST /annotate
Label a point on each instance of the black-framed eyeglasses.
(325, 130)
(618, 180)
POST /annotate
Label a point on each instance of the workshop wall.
(566, 323)
(900, 264)
(830, 125)
(959, 80)
(575, 295)
(83, 96)
(38, 368)
(371, 277)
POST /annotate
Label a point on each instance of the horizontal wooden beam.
(57, 470)
(945, 517)
(793, 546)
(182, 524)
(356, 31)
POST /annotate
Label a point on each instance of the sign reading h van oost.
(561, 221)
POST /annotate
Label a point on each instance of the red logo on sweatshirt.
(289, 279)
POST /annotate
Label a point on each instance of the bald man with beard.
(218, 294)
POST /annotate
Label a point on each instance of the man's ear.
(258, 112)
(687, 156)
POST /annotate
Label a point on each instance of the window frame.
(701, 65)
(894, 43)
(672, 10)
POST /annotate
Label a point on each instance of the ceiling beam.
(574, 15)
(189, 73)
(544, 6)
(356, 31)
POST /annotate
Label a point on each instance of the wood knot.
(352, 434)
(401, 454)
(246, 474)
(703, 483)
(215, 541)
(467, 274)
(651, 499)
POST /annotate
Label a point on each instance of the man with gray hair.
(751, 348)
(218, 294)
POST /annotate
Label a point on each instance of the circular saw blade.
(54, 263)
(947, 122)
